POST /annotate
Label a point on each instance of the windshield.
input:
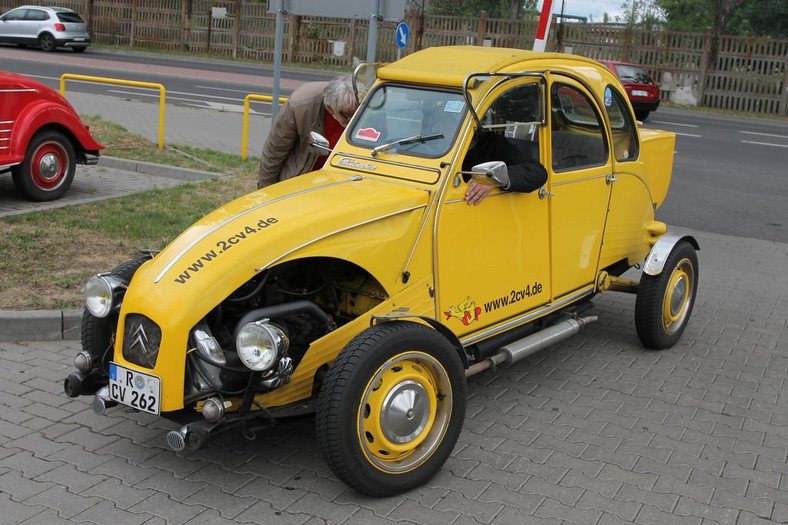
(393, 113)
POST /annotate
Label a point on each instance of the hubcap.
(678, 296)
(404, 412)
(49, 165)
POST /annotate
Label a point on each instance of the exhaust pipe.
(101, 401)
(526, 346)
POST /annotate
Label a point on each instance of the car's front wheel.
(391, 408)
(48, 168)
(664, 301)
(641, 115)
(47, 42)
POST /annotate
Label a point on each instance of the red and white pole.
(544, 26)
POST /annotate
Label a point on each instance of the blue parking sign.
(402, 35)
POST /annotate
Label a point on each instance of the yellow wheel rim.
(404, 412)
(678, 296)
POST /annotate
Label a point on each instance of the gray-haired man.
(324, 107)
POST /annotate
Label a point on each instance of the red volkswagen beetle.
(41, 138)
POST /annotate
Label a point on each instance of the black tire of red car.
(47, 42)
(48, 168)
(664, 302)
(367, 438)
(98, 333)
(641, 115)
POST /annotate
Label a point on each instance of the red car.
(41, 138)
(642, 90)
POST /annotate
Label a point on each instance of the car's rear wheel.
(664, 301)
(391, 408)
(47, 42)
(48, 168)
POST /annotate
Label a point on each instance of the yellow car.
(366, 292)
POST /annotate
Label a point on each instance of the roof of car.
(450, 65)
(45, 8)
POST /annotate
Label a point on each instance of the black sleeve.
(525, 175)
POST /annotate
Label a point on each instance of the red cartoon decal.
(368, 134)
(467, 312)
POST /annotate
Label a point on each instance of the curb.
(159, 170)
(40, 325)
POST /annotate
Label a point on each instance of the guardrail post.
(121, 82)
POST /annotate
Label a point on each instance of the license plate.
(79, 40)
(639, 93)
(135, 389)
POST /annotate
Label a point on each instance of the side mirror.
(318, 143)
(493, 173)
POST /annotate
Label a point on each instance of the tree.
(514, 9)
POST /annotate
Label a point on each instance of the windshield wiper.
(402, 142)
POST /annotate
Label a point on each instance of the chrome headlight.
(208, 346)
(260, 344)
(100, 294)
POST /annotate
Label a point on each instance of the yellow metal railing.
(245, 132)
(121, 82)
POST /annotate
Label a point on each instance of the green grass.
(48, 255)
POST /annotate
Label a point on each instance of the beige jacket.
(286, 151)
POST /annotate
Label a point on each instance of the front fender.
(655, 261)
(41, 113)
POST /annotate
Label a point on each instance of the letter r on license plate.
(135, 389)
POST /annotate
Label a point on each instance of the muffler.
(531, 344)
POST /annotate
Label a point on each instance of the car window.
(516, 114)
(576, 130)
(625, 138)
(73, 18)
(36, 15)
(16, 14)
(394, 113)
(632, 74)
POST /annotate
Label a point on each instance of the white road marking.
(226, 89)
(687, 134)
(675, 124)
(765, 144)
(764, 134)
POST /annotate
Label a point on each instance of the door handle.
(610, 178)
(543, 192)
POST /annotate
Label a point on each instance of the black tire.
(48, 169)
(98, 333)
(369, 444)
(664, 301)
(79, 49)
(47, 42)
(641, 115)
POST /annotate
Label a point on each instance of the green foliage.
(516, 9)
(767, 18)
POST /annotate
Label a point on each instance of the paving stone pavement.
(595, 431)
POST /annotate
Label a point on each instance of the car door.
(11, 25)
(492, 260)
(35, 22)
(579, 184)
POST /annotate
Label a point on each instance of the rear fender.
(42, 114)
(655, 261)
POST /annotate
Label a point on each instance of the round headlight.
(98, 296)
(260, 344)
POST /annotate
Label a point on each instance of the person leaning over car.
(324, 107)
(524, 174)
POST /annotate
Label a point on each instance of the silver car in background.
(46, 27)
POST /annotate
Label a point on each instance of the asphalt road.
(730, 173)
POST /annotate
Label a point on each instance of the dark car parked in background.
(642, 90)
(46, 27)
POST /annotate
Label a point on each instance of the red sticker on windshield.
(368, 134)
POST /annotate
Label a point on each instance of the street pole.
(372, 38)
(280, 11)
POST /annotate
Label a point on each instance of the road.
(729, 175)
